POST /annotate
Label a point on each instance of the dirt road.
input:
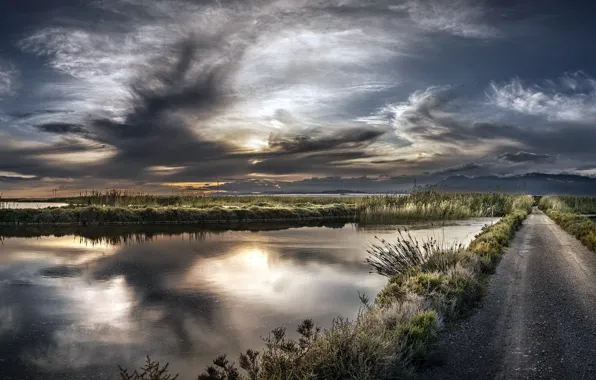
(538, 320)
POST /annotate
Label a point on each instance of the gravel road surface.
(538, 319)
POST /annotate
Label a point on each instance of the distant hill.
(532, 183)
(343, 192)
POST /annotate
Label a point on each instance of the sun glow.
(256, 144)
(255, 258)
(79, 157)
(245, 271)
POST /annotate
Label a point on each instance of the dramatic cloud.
(312, 143)
(459, 168)
(522, 156)
(430, 125)
(571, 98)
(62, 128)
(460, 18)
(159, 95)
(8, 79)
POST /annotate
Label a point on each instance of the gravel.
(538, 319)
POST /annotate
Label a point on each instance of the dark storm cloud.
(435, 116)
(321, 184)
(30, 114)
(522, 156)
(158, 124)
(168, 89)
(166, 92)
(310, 142)
(317, 163)
(34, 160)
(156, 131)
(460, 168)
(62, 128)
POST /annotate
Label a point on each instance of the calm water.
(77, 302)
(30, 204)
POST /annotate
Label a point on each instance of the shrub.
(152, 370)
(406, 253)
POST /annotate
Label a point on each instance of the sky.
(259, 95)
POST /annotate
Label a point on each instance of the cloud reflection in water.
(70, 308)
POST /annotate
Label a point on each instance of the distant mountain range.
(531, 183)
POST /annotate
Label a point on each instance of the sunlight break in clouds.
(140, 92)
(430, 125)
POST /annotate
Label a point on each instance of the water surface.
(76, 302)
(23, 205)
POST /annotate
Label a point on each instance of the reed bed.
(123, 198)
(95, 215)
(435, 205)
(566, 212)
(121, 208)
(569, 204)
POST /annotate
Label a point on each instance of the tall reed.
(407, 253)
(430, 204)
(569, 204)
(125, 198)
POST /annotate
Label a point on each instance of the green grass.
(435, 205)
(569, 204)
(122, 209)
(95, 215)
(565, 212)
(392, 337)
(118, 198)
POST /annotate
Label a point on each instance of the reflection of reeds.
(142, 238)
(117, 235)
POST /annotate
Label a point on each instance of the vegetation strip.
(115, 208)
(96, 215)
(565, 212)
(391, 337)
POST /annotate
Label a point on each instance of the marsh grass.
(389, 258)
(123, 198)
(569, 204)
(394, 336)
(565, 212)
(97, 215)
(152, 370)
(117, 208)
(431, 204)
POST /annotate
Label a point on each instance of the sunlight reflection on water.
(25, 205)
(72, 306)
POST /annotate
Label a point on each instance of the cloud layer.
(166, 92)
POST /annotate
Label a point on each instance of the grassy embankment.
(98, 215)
(390, 338)
(566, 212)
(124, 209)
